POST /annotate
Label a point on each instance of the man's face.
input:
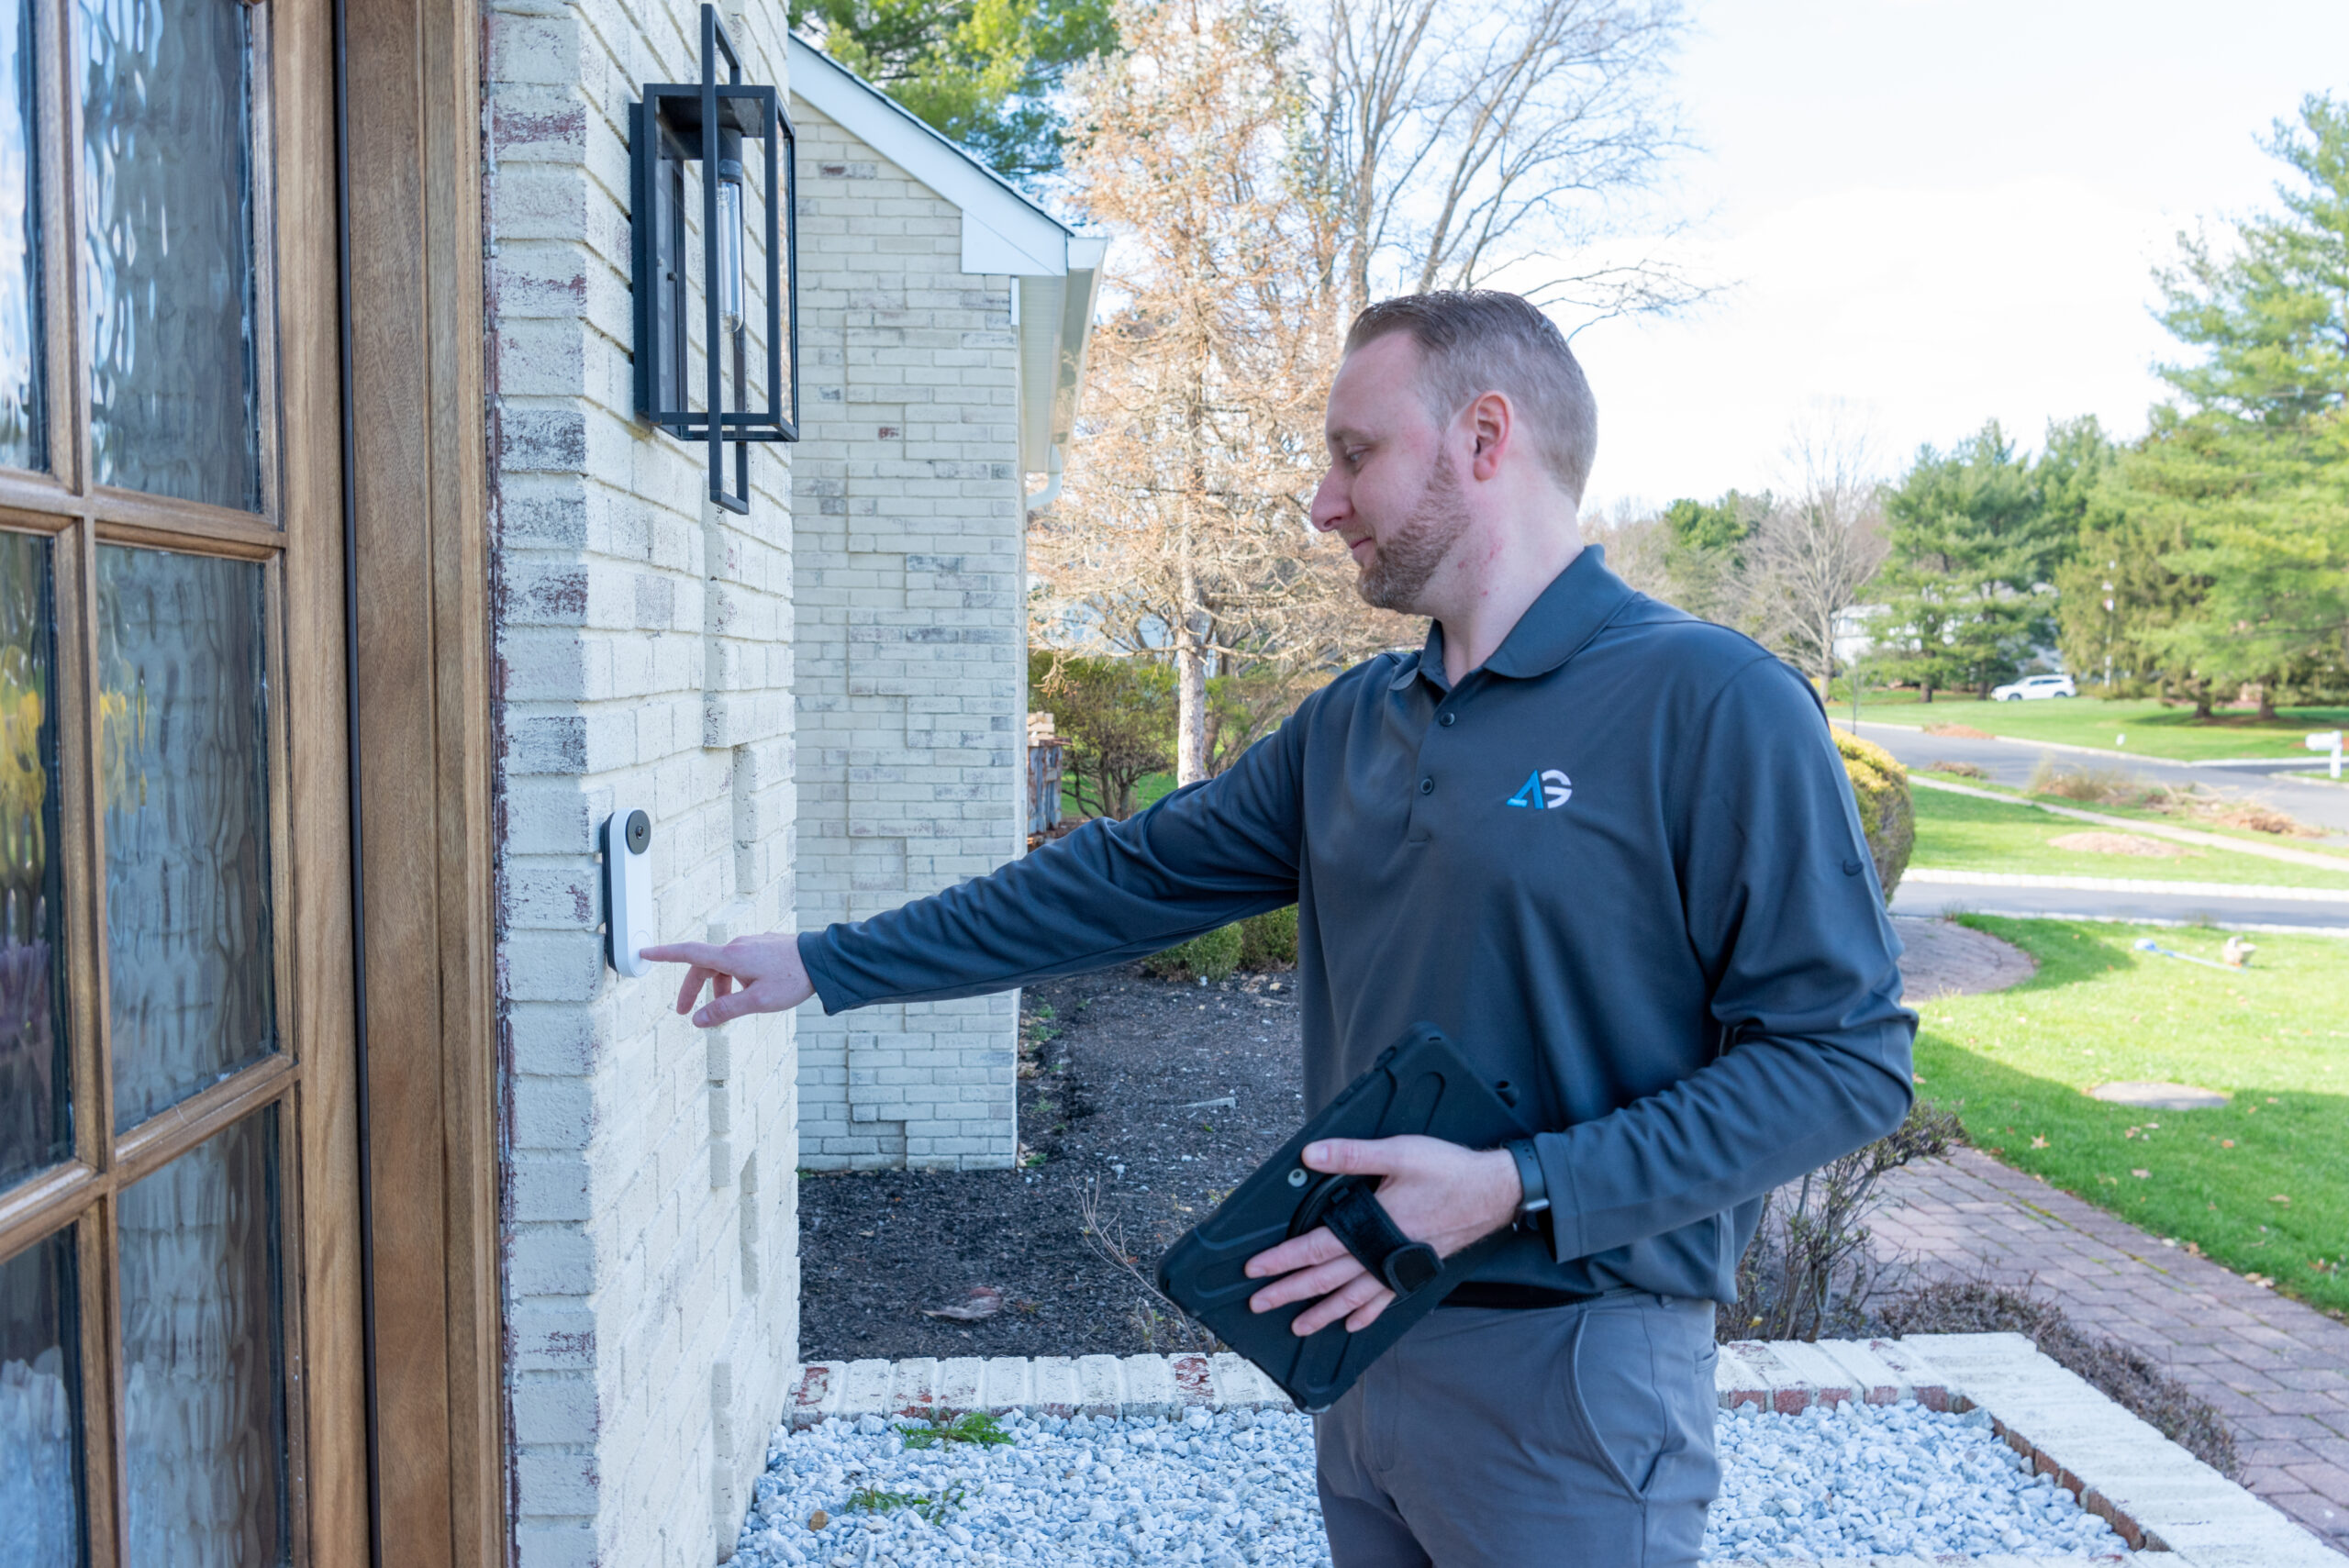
(1393, 493)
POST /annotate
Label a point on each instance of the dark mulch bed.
(1115, 1059)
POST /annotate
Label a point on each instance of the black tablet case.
(1420, 1085)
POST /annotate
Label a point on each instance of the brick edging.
(1049, 1386)
(2152, 1493)
(1787, 1378)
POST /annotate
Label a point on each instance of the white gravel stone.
(1861, 1480)
(1237, 1488)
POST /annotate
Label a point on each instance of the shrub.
(1880, 785)
(1809, 1269)
(1259, 941)
(1117, 718)
(1210, 957)
(1269, 940)
(2093, 786)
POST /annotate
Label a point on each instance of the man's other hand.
(749, 974)
(1435, 1191)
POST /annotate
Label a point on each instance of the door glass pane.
(40, 1408)
(203, 1372)
(167, 233)
(184, 766)
(20, 427)
(35, 1079)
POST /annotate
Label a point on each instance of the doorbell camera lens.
(640, 831)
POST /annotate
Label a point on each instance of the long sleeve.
(1207, 855)
(1785, 917)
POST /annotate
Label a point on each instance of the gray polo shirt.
(1619, 865)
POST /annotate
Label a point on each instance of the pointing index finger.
(703, 954)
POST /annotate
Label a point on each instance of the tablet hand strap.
(1362, 1226)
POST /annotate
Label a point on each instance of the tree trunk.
(1929, 691)
(1191, 686)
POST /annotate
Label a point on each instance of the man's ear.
(1492, 422)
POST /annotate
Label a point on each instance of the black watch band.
(1535, 1203)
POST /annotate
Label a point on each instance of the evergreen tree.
(1968, 588)
(1704, 554)
(981, 72)
(2242, 484)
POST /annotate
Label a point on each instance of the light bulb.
(729, 245)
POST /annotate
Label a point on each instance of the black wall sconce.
(707, 123)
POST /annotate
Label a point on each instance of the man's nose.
(1330, 507)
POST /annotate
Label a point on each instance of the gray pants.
(1577, 1436)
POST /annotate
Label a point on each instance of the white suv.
(2032, 686)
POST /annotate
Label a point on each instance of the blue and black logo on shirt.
(1543, 791)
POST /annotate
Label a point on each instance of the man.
(1608, 847)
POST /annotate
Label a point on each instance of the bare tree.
(1638, 546)
(1819, 546)
(1184, 528)
(1451, 140)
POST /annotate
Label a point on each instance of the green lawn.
(1957, 832)
(2141, 727)
(1148, 790)
(2260, 1186)
(2133, 813)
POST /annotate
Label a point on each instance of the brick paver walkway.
(2279, 1370)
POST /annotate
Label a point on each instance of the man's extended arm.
(1205, 856)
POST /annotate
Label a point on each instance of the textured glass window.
(183, 768)
(35, 1069)
(40, 1408)
(167, 239)
(21, 441)
(204, 1369)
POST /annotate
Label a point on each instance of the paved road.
(2316, 801)
(1925, 897)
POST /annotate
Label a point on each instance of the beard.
(1402, 561)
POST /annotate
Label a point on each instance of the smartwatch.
(1535, 1203)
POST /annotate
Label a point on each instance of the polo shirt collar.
(1553, 628)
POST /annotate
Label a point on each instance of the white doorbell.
(627, 890)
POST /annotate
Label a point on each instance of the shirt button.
(1427, 786)
(1447, 719)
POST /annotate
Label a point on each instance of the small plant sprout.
(971, 1427)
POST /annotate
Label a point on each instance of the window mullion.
(82, 823)
(102, 1495)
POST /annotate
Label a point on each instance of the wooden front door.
(181, 1367)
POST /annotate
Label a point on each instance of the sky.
(1924, 214)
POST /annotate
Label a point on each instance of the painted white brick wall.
(910, 568)
(644, 649)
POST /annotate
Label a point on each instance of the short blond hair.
(1473, 341)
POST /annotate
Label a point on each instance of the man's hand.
(749, 974)
(1435, 1191)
